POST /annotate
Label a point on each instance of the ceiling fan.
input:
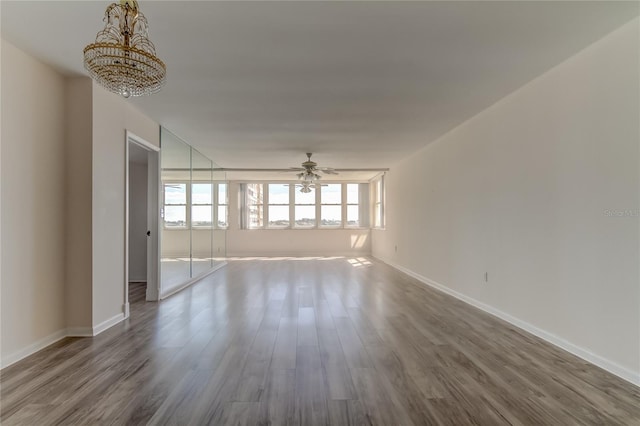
(309, 171)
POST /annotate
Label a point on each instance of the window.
(331, 205)
(282, 206)
(201, 205)
(378, 202)
(175, 205)
(222, 211)
(353, 205)
(196, 205)
(254, 205)
(305, 209)
(278, 211)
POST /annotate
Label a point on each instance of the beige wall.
(63, 159)
(78, 187)
(111, 116)
(33, 198)
(523, 191)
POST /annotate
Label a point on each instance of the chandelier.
(122, 59)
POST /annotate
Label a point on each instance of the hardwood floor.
(311, 342)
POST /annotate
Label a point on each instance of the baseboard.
(33, 348)
(80, 332)
(108, 323)
(299, 254)
(192, 280)
(605, 364)
(57, 336)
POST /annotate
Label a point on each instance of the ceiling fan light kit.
(309, 173)
(123, 60)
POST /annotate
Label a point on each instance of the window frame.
(346, 204)
(216, 204)
(189, 205)
(320, 204)
(378, 199)
(192, 204)
(364, 205)
(294, 204)
(260, 207)
(187, 217)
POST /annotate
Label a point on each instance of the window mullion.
(292, 207)
(265, 205)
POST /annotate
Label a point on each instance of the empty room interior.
(320, 212)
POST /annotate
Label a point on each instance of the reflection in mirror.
(194, 214)
(201, 213)
(175, 266)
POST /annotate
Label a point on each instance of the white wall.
(33, 198)
(522, 192)
(298, 242)
(138, 174)
(112, 114)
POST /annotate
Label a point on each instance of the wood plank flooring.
(311, 342)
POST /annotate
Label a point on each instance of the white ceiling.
(359, 84)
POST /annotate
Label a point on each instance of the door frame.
(153, 218)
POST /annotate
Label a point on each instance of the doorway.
(142, 272)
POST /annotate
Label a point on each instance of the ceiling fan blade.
(328, 171)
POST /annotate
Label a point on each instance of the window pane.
(331, 194)
(353, 216)
(175, 193)
(201, 215)
(278, 194)
(278, 216)
(175, 216)
(331, 215)
(255, 216)
(201, 193)
(222, 217)
(353, 193)
(254, 193)
(305, 198)
(305, 216)
(222, 193)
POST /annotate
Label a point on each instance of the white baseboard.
(610, 366)
(108, 323)
(80, 332)
(59, 335)
(300, 254)
(33, 348)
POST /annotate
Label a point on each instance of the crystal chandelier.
(122, 59)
